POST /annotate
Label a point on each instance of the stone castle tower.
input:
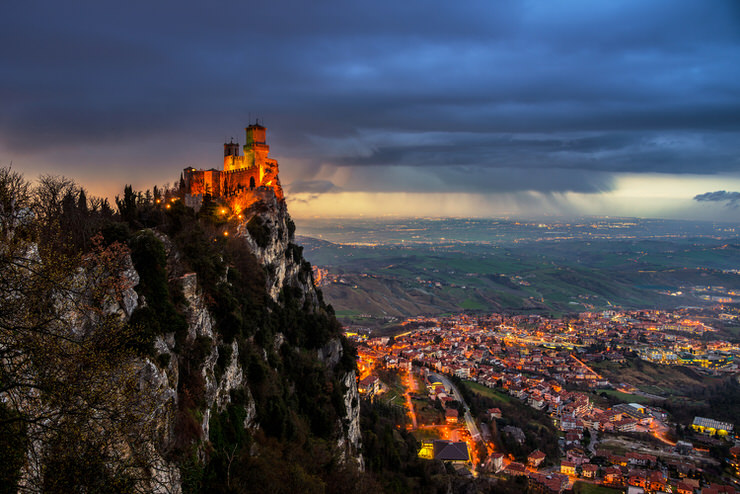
(254, 172)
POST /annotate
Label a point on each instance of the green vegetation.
(472, 304)
(160, 314)
(426, 434)
(653, 378)
(12, 449)
(496, 396)
(532, 275)
(619, 397)
(720, 401)
(259, 231)
(347, 313)
(395, 394)
(427, 413)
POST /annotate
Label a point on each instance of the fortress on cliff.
(243, 177)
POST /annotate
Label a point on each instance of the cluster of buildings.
(637, 472)
(498, 348)
(643, 473)
(532, 358)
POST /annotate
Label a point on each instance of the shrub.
(259, 231)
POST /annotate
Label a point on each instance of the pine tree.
(82, 202)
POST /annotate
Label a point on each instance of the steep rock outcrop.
(217, 388)
(351, 442)
(269, 232)
(187, 377)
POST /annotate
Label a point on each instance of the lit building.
(427, 450)
(567, 468)
(455, 452)
(369, 386)
(535, 458)
(253, 173)
(711, 427)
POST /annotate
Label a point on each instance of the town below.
(595, 401)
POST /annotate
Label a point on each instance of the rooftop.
(712, 424)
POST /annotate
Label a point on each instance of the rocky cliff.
(190, 353)
(230, 369)
(286, 268)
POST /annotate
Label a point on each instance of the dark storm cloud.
(311, 186)
(565, 93)
(309, 190)
(674, 152)
(732, 199)
(475, 179)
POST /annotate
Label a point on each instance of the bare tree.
(48, 197)
(78, 406)
(15, 198)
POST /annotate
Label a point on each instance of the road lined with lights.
(455, 394)
(408, 384)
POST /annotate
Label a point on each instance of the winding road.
(456, 395)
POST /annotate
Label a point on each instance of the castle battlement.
(241, 175)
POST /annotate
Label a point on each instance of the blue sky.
(465, 109)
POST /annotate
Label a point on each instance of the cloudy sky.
(473, 108)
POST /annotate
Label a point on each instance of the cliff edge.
(162, 350)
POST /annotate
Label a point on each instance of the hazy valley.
(372, 271)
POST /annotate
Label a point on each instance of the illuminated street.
(410, 385)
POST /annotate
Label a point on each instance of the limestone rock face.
(331, 353)
(349, 442)
(129, 299)
(200, 322)
(267, 229)
(202, 325)
(352, 440)
(276, 253)
(161, 384)
(165, 475)
(232, 378)
(268, 232)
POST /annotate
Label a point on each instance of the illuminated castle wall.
(254, 171)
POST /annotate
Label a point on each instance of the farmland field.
(420, 267)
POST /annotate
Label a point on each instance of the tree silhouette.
(76, 412)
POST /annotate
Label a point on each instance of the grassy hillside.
(686, 392)
(555, 277)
